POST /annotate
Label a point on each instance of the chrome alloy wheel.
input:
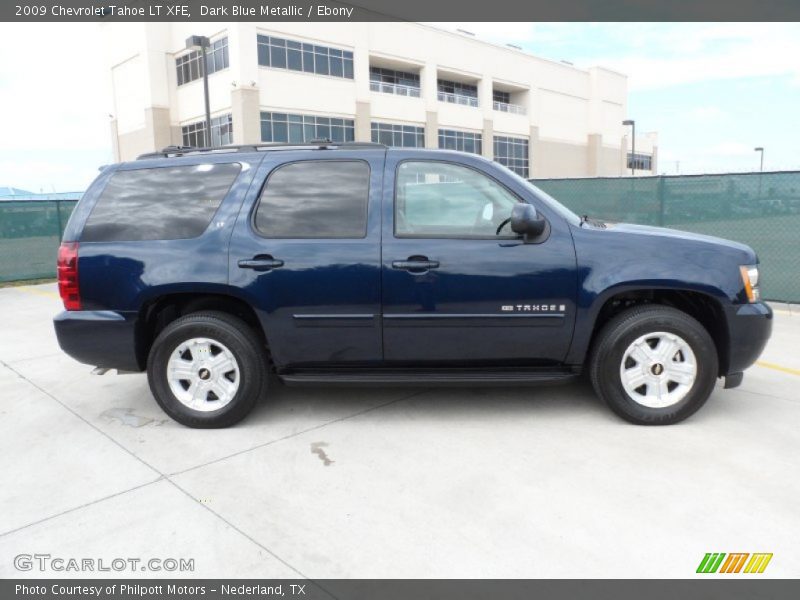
(658, 369)
(203, 374)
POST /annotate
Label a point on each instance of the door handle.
(260, 263)
(415, 264)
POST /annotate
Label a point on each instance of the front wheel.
(207, 369)
(654, 365)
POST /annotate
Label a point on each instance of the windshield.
(570, 216)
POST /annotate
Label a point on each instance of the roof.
(181, 152)
(174, 151)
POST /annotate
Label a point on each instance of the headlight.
(750, 280)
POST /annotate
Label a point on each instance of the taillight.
(68, 275)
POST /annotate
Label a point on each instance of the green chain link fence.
(761, 210)
(758, 209)
(30, 232)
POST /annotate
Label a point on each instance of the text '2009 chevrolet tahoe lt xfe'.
(357, 264)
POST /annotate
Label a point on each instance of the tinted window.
(315, 199)
(390, 134)
(512, 153)
(166, 203)
(289, 54)
(442, 199)
(293, 128)
(190, 67)
(463, 141)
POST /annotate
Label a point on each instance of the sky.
(55, 99)
(712, 91)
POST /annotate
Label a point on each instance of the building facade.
(401, 84)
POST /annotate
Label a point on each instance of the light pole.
(761, 168)
(632, 123)
(761, 150)
(201, 43)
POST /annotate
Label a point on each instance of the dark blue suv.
(356, 264)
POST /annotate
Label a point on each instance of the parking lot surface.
(451, 483)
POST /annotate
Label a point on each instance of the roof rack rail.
(174, 151)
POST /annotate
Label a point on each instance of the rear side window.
(166, 203)
(315, 199)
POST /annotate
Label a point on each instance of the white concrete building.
(397, 83)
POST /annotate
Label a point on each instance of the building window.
(463, 141)
(640, 162)
(297, 129)
(194, 134)
(457, 93)
(280, 53)
(389, 81)
(504, 97)
(217, 57)
(401, 136)
(190, 66)
(512, 153)
(502, 101)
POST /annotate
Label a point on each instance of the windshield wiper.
(593, 222)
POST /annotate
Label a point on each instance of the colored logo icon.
(735, 562)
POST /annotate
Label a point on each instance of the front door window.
(438, 199)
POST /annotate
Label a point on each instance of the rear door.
(306, 254)
(454, 290)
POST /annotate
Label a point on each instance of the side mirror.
(527, 222)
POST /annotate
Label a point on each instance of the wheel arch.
(160, 311)
(704, 306)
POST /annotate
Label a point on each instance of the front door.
(457, 287)
(306, 254)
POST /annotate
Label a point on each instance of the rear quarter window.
(315, 199)
(164, 203)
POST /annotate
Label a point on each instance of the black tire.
(625, 328)
(238, 338)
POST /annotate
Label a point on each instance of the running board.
(428, 378)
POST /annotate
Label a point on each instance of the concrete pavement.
(529, 482)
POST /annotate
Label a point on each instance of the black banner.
(411, 589)
(390, 10)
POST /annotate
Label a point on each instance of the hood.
(665, 234)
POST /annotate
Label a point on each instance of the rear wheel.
(207, 369)
(654, 365)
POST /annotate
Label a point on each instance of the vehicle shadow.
(462, 403)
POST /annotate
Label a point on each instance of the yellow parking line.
(768, 365)
(45, 293)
